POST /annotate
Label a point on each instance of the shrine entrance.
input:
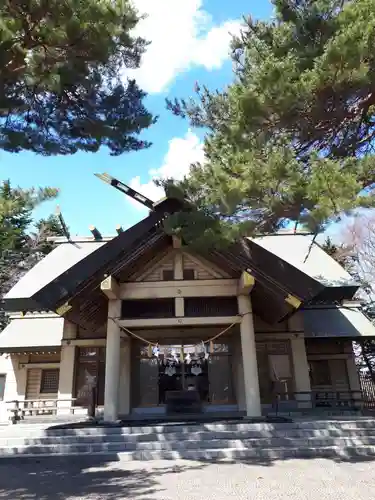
(181, 367)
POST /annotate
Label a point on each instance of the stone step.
(248, 444)
(240, 453)
(334, 425)
(252, 454)
(113, 447)
(211, 441)
(293, 434)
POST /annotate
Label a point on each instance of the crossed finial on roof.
(124, 188)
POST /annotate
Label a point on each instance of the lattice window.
(148, 308)
(50, 381)
(210, 306)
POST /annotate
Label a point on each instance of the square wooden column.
(249, 358)
(67, 364)
(112, 363)
(125, 377)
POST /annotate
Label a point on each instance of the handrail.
(343, 399)
(39, 400)
(23, 407)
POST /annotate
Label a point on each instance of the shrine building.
(155, 328)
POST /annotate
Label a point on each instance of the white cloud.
(182, 152)
(182, 35)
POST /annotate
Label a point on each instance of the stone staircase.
(230, 440)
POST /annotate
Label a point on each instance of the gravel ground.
(74, 479)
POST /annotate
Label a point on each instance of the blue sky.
(189, 44)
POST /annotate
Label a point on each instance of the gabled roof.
(62, 258)
(302, 252)
(31, 333)
(56, 281)
(345, 322)
(281, 283)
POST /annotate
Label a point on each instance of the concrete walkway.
(92, 479)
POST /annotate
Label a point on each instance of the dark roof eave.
(20, 304)
(333, 294)
(64, 286)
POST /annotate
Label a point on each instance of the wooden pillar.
(249, 358)
(301, 371)
(112, 363)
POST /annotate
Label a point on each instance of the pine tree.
(20, 248)
(291, 139)
(63, 81)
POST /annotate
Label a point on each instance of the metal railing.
(286, 401)
(19, 409)
(368, 391)
(318, 400)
